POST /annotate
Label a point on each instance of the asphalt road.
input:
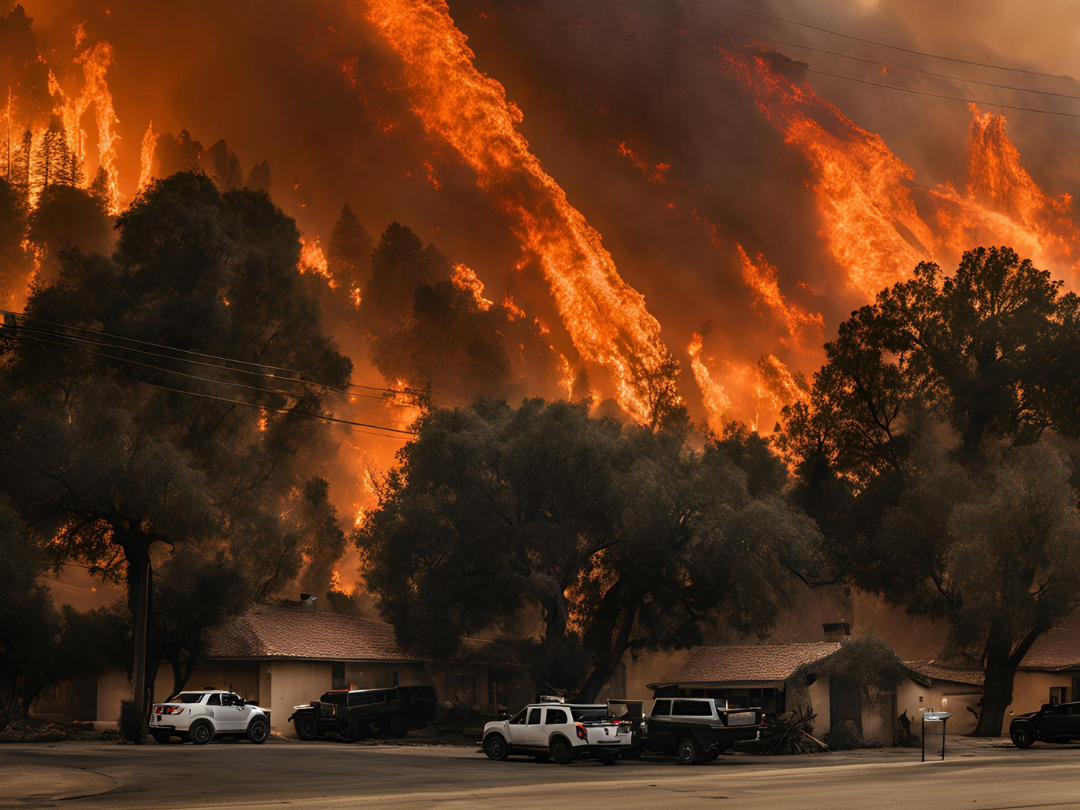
(240, 775)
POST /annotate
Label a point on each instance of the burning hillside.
(484, 214)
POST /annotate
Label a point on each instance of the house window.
(1059, 694)
(337, 675)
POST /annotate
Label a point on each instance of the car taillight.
(169, 709)
(582, 734)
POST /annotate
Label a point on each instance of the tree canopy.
(922, 451)
(576, 536)
(119, 446)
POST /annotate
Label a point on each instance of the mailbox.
(931, 716)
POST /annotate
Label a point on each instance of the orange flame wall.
(605, 317)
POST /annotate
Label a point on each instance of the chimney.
(836, 631)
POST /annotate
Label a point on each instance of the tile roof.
(751, 662)
(281, 631)
(1056, 649)
(940, 671)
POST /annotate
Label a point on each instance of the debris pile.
(788, 733)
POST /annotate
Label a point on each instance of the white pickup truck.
(560, 731)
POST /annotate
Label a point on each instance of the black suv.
(1057, 723)
(354, 714)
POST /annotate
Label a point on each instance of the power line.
(22, 336)
(709, 57)
(899, 48)
(299, 378)
(222, 382)
(941, 95)
(864, 60)
(279, 410)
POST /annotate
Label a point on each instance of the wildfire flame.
(402, 405)
(465, 279)
(716, 400)
(866, 194)
(96, 62)
(761, 277)
(861, 186)
(313, 260)
(146, 157)
(605, 317)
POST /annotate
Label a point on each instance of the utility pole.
(142, 600)
(8, 172)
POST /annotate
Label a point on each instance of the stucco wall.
(819, 704)
(879, 721)
(942, 696)
(293, 683)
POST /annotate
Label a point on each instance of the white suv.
(201, 716)
(560, 731)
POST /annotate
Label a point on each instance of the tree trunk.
(1001, 659)
(602, 673)
(138, 581)
(997, 695)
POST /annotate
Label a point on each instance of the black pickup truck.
(697, 729)
(354, 714)
(1053, 723)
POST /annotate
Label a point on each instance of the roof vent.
(307, 601)
(836, 631)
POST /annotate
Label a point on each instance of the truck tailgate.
(609, 733)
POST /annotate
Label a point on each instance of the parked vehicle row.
(696, 730)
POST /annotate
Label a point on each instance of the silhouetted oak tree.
(921, 453)
(577, 537)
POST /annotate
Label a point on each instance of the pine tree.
(20, 166)
(100, 187)
(54, 162)
(350, 249)
(260, 178)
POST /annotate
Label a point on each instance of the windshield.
(189, 697)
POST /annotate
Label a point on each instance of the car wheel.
(608, 757)
(562, 752)
(258, 730)
(307, 726)
(161, 738)
(1022, 737)
(349, 731)
(201, 733)
(688, 751)
(495, 747)
(396, 726)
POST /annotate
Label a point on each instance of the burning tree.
(928, 453)
(575, 538)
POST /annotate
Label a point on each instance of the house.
(783, 677)
(1049, 673)
(284, 654)
(944, 688)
